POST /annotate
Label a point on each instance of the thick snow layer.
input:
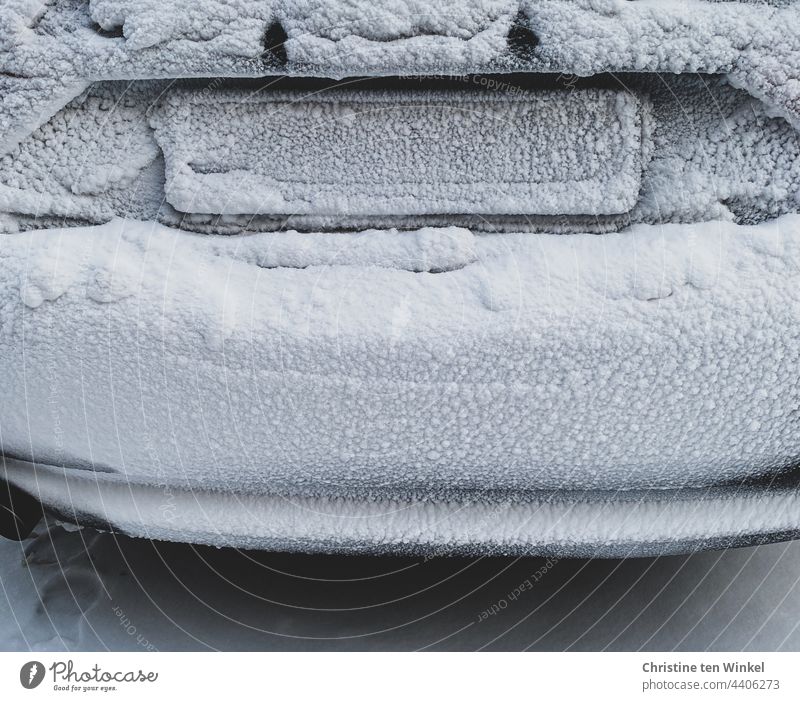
(75, 157)
(395, 153)
(423, 251)
(407, 36)
(30, 102)
(657, 357)
(317, 29)
(412, 368)
(235, 28)
(749, 42)
(706, 151)
(76, 41)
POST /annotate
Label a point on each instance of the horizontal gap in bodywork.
(479, 82)
(242, 224)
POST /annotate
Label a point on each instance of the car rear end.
(478, 276)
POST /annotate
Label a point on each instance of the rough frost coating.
(636, 360)
(410, 152)
(236, 28)
(365, 347)
(423, 251)
(580, 523)
(693, 149)
(755, 43)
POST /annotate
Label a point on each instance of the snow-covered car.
(479, 276)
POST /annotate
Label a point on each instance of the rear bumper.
(565, 524)
(638, 366)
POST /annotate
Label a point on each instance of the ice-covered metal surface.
(361, 153)
(420, 371)
(564, 524)
(68, 42)
(661, 357)
(690, 149)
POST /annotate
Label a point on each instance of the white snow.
(755, 43)
(402, 153)
(235, 28)
(409, 370)
(657, 357)
(30, 102)
(422, 251)
(410, 36)
(568, 523)
(683, 149)
(74, 158)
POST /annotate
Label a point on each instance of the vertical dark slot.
(274, 43)
(521, 39)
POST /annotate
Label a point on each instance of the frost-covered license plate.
(409, 152)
